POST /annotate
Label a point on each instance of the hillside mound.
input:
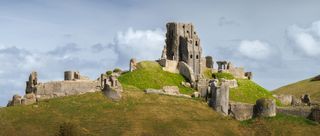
(149, 74)
(307, 86)
(139, 114)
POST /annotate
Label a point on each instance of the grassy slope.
(139, 114)
(149, 74)
(248, 91)
(302, 87)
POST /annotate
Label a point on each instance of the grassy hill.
(146, 114)
(149, 74)
(297, 89)
(248, 92)
(139, 114)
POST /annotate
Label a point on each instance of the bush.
(117, 70)
(109, 73)
(68, 129)
(224, 75)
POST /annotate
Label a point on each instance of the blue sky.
(278, 40)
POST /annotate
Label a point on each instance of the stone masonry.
(183, 44)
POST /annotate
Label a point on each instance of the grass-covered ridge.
(138, 114)
(248, 92)
(149, 74)
(301, 87)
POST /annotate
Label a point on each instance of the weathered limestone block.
(241, 111)
(285, 99)
(196, 94)
(265, 108)
(16, 100)
(186, 71)
(186, 84)
(202, 87)
(169, 65)
(315, 114)
(232, 83)
(29, 99)
(153, 91)
(305, 99)
(209, 62)
(133, 65)
(220, 97)
(171, 90)
(113, 93)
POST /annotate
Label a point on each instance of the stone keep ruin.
(183, 54)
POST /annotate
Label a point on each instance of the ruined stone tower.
(183, 44)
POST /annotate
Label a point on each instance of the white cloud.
(254, 49)
(139, 44)
(305, 39)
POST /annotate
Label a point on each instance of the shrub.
(224, 75)
(117, 70)
(109, 73)
(68, 129)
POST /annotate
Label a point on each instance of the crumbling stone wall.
(72, 75)
(132, 65)
(296, 111)
(111, 87)
(31, 83)
(64, 88)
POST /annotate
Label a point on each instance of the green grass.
(149, 74)
(280, 125)
(248, 92)
(302, 87)
(207, 73)
(224, 75)
(138, 114)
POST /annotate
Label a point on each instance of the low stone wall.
(64, 88)
(296, 111)
(237, 72)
